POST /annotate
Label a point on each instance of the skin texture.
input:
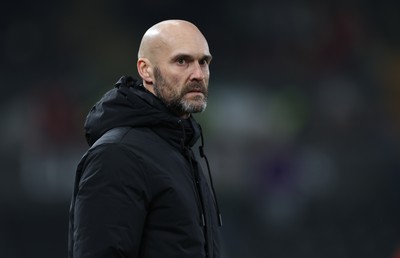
(173, 62)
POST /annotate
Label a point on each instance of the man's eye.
(203, 62)
(181, 61)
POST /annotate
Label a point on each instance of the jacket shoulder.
(141, 137)
(114, 135)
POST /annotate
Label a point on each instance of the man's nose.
(198, 72)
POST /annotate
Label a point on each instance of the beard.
(177, 101)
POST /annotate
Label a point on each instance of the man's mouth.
(196, 91)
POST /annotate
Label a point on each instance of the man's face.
(182, 83)
(174, 63)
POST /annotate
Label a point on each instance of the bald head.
(167, 35)
(173, 62)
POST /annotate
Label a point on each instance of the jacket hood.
(129, 103)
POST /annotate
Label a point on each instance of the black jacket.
(139, 190)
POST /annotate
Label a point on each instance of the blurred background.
(302, 127)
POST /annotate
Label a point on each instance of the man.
(139, 190)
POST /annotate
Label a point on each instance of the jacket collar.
(130, 104)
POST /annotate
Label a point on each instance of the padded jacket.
(139, 190)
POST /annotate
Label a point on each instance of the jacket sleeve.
(110, 205)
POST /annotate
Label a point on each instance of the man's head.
(173, 61)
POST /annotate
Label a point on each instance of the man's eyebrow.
(207, 57)
(187, 56)
(182, 56)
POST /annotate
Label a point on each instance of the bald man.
(139, 189)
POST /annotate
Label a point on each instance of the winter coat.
(139, 190)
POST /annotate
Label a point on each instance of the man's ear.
(145, 71)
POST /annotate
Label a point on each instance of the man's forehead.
(169, 41)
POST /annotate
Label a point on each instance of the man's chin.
(194, 106)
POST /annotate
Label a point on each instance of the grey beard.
(188, 107)
(180, 105)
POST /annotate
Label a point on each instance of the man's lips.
(195, 89)
(195, 93)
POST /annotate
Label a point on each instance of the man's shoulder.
(122, 135)
(139, 140)
(117, 143)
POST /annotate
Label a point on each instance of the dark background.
(302, 128)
